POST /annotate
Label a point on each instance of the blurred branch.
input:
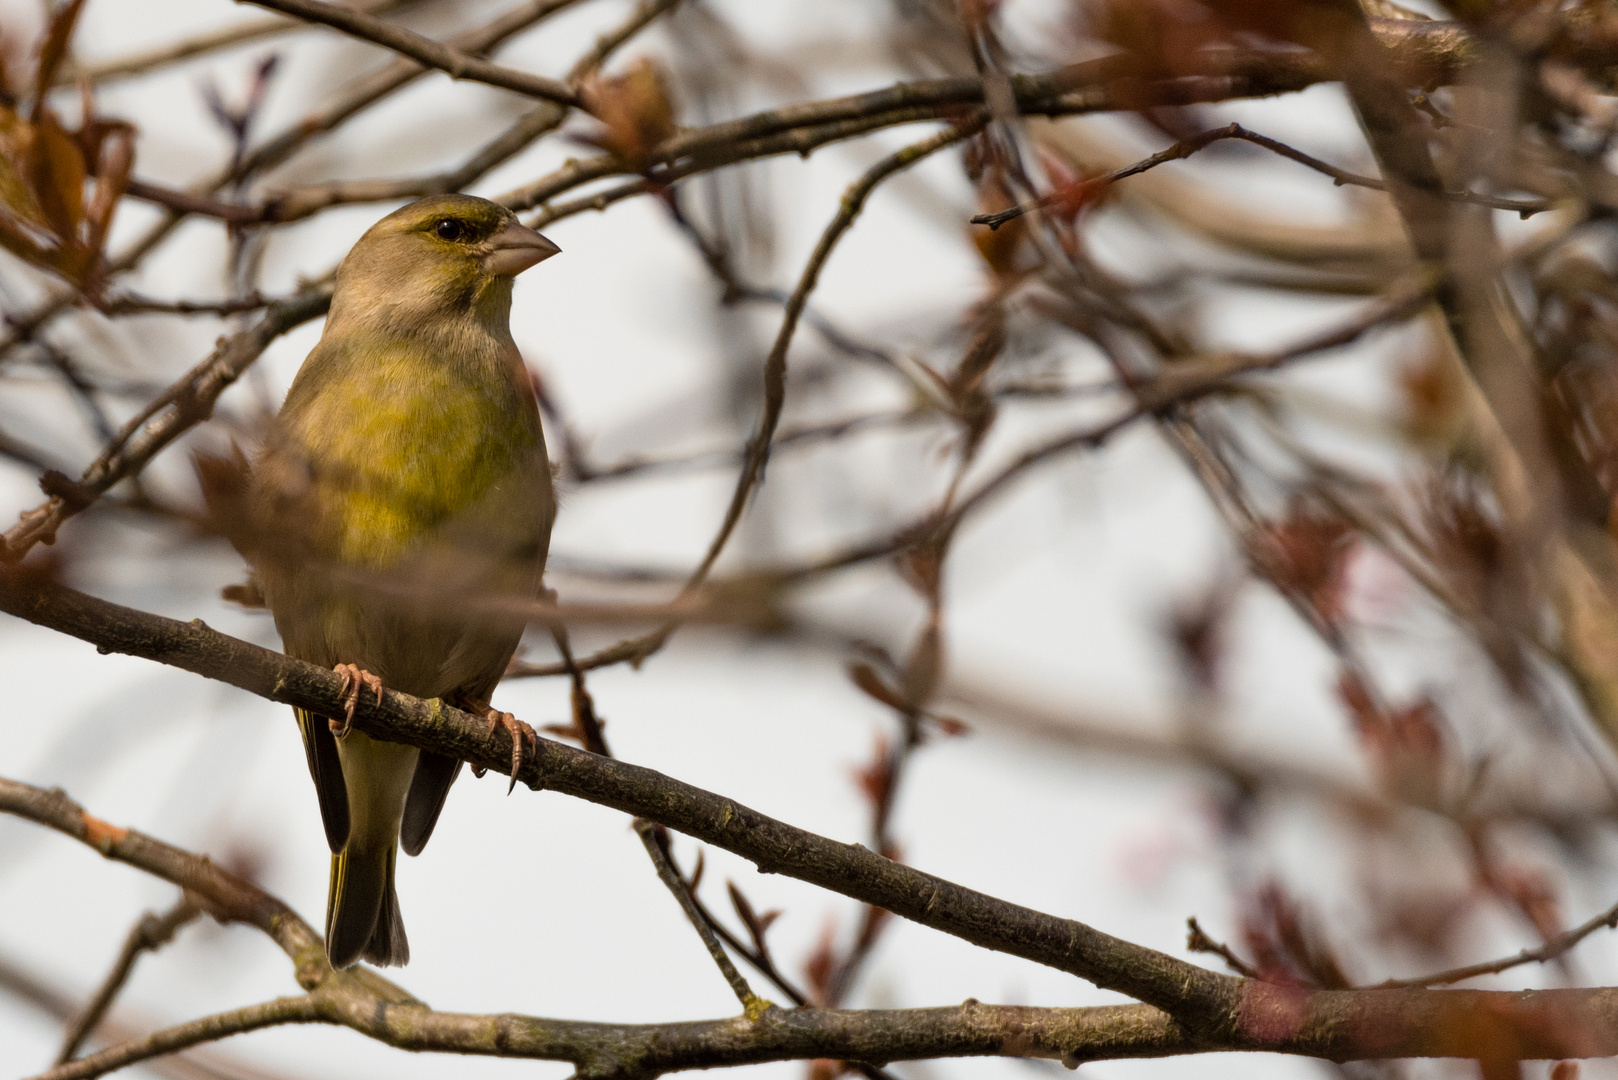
(816, 433)
(165, 55)
(446, 58)
(150, 933)
(154, 427)
(757, 450)
(309, 199)
(195, 1065)
(377, 85)
(1186, 382)
(287, 1010)
(130, 303)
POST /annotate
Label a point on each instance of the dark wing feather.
(320, 747)
(428, 790)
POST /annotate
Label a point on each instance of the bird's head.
(442, 257)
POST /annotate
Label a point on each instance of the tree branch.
(1213, 1011)
(160, 423)
(1555, 947)
(365, 1002)
(150, 932)
(774, 846)
(1186, 147)
(457, 64)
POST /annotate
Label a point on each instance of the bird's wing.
(501, 545)
(320, 747)
(428, 790)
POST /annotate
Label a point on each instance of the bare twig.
(150, 932)
(656, 839)
(161, 422)
(446, 58)
(1197, 941)
(757, 451)
(1551, 950)
(1186, 147)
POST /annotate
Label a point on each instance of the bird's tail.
(362, 910)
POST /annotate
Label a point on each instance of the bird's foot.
(354, 677)
(522, 738)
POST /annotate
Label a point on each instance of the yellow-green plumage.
(402, 500)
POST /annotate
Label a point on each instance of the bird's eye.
(449, 229)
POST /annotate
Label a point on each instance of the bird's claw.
(522, 737)
(354, 677)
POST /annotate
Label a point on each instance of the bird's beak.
(514, 248)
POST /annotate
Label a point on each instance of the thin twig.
(1552, 949)
(1186, 147)
(757, 450)
(588, 728)
(1197, 941)
(151, 60)
(150, 933)
(303, 1009)
(160, 423)
(656, 839)
(446, 58)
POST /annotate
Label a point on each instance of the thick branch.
(773, 845)
(1225, 1013)
(370, 1005)
(1341, 1025)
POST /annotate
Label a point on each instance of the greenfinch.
(400, 504)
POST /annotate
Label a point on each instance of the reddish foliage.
(965, 385)
(1529, 891)
(757, 925)
(1284, 950)
(1306, 555)
(821, 965)
(876, 778)
(864, 676)
(1407, 746)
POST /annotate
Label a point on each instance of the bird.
(396, 515)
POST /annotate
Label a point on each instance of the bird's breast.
(400, 444)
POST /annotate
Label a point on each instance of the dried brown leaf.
(636, 111)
